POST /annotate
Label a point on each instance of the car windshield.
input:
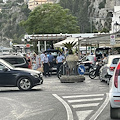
(90, 58)
(15, 60)
(8, 64)
(115, 60)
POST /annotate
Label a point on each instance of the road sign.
(112, 40)
(81, 70)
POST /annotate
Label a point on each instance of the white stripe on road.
(102, 107)
(85, 105)
(76, 96)
(85, 100)
(83, 114)
(68, 109)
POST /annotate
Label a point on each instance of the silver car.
(107, 70)
(114, 94)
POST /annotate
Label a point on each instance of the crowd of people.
(44, 61)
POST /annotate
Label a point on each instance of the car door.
(104, 69)
(6, 76)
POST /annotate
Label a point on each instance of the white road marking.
(68, 109)
(85, 105)
(85, 100)
(77, 96)
(83, 114)
(102, 107)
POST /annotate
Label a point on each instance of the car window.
(15, 60)
(115, 60)
(90, 58)
(1, 67)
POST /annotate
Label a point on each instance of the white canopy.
(69, 39)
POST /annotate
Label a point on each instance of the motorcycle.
(95, 70)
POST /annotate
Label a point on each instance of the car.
(88, 62)
(55, 54)
(114, 93)
(107, 70)
(23, 78)
(16, 60)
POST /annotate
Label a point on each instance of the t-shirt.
(60, 58)
(42, 57)
(45, 59)
(50, 58)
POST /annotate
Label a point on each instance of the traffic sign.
(81, 70)
(112, 40)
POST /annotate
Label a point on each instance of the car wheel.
(113, 113)
(92, 74)
(24, 83)
(100, 76)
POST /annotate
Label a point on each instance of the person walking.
(59, 60)
(46, 65)
(51, 59)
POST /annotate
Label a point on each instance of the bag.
(40, 69)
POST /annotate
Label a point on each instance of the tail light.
(112, 68)
(116, 76)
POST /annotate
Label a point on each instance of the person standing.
(59, 60)
(42, 58)
(46, 65)
(51, 59)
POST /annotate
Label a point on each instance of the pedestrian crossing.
(84, 105)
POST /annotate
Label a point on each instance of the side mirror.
(5, 69)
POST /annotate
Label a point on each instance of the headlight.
(35, 75)
(41, 75)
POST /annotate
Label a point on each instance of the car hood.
(27, 70)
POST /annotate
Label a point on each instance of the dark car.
(16, 60)
(55, 54)
(22, 78)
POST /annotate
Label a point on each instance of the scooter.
(95, 71)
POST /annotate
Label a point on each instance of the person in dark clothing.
(46, 65)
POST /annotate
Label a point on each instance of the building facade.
(34, 3)
(115, 25)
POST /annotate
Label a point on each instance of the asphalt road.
(53, 100)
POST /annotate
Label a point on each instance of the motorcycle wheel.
(92, 74)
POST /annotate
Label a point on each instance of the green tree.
(50, 18)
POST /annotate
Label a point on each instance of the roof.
(10, 56)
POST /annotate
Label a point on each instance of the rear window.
(115, 60)
(15, 60)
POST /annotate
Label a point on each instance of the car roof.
(114, 56)
(11, 56)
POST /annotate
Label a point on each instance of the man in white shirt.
(59, 60)
(42, 58)
(46, 65)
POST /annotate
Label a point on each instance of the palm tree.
(69, 46)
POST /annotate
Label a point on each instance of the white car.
(114, 94)
(107, 70)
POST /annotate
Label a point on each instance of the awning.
(69, 39)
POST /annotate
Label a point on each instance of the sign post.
(81, 70)
(112, 40)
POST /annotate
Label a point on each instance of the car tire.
(114, 113)
(24, 83)
(92, 74)
(100, 77)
